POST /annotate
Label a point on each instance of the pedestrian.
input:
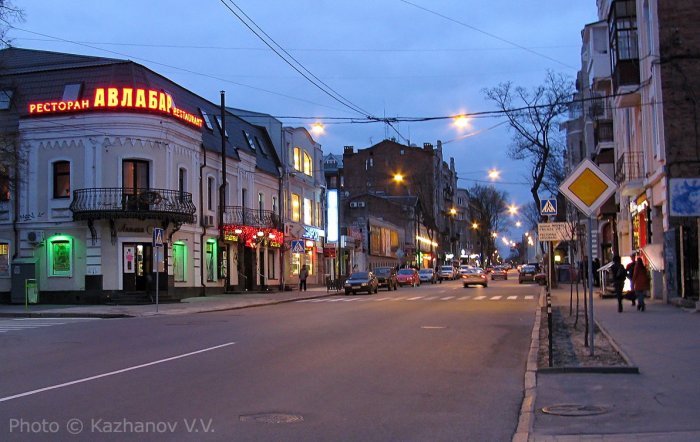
(630, 271)
(303, 274)
(619, 275)
(641, 281)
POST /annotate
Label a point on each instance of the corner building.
(107, 151)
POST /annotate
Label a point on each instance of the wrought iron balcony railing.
(630, 167)
(603, 132)
(117, 202)
(245, 216)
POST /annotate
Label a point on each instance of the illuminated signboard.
(124, 98)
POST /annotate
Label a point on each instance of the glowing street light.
(475, 226)
(398, 178)
(513, 209)
(460, 121)
(494, 174)
(518, 224)
(453, 211)
(318, 128)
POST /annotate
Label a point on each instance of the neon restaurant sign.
(125, 98)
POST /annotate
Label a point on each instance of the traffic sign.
(157, 237)
(588, 187)
(555, 232)
(548, 207)
(298, 246)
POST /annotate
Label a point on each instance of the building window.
(205, 118)
(135, 176)
(6, 98)
(261, 201)
(4, 259)
(271, 273)
(218, 122)
(296, 207)
(274, 204)
(297, 158)
(60, 257)
(182, 183)
(179, 262)
(71, 92)
(623, 31)
(61, 179)
(4, 188)
(249, 140)
(210, 193)
(308, 164)
(308, 210)
(211, 260)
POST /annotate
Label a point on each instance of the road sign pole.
(157, 273)
(591, 324)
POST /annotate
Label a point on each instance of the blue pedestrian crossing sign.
(548, 207)
(298, 246)
(157, 237)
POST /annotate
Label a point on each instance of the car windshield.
(472, 271)
(405, 272)
(426, 271)
(446, 268)
(382, 271)
(528, 269)
(359, 275)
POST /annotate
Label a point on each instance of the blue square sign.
(548, 206)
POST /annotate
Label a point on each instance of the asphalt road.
(436, 362)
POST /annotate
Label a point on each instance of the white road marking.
(512, 297)
(382, 299)
(414, 298)
(351, 299)
(463, 298)
(479, 298)
(27, 323)
(529, 297)
(446, 298)
(112, 373)
(398, 299)
(496, 298)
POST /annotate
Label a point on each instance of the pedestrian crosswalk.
(18, 324)
(372, 299)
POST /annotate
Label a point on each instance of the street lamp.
(494, 174)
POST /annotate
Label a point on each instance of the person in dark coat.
(630, 271)
(619, 274)
(596, 275)
(641, 282)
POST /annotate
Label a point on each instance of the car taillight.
(483, 276)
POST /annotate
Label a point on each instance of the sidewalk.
(187, 305)
(661, 403)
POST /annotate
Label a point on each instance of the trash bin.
(564, 273)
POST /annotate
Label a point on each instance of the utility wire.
(473, 28)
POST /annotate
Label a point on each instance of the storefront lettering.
(119, 98)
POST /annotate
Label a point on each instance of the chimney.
(348, 150)
(428, 147)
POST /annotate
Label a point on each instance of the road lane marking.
(446, 298)
(351, 299)
(512, 297)
(398, 299)
(529, 297)
(429, 298)
(463, 298)
(414, 298)
(382, 299)
(496, 298)
(479, 298)
(112, 373)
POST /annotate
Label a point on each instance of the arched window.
(297, 158)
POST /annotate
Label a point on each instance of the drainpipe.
(202, 248)
(281, 224)
(15, 202)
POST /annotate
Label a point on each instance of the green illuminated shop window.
(60, 256)
(211, 258)
(179, 261)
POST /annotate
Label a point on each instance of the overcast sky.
(390, 58)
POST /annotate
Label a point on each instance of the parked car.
(446, 272)
(386, 277)
(408, 277)
(474, 277)
(527, 274)
(499, 273)
(541, 278)
(427, 275)
(361, 282)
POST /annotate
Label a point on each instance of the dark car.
(527, 274)
(386, 277)
(499, 272)
(361, 282)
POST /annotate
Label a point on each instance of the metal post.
(223, 188)
(157, 274)
(591, 325)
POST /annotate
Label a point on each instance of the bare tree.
(8, 14)
(534, 117)
(487, 208)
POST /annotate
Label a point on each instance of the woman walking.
(640, 280)
(619, 275)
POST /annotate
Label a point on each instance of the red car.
(408, 277)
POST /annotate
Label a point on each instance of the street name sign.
(588, 187)
(554, 232)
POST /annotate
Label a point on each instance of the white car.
(446, 272)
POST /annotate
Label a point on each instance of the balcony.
(629, 172)
(119, 203)
(243, 216)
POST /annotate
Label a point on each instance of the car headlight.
(347, 284)
(364, 284)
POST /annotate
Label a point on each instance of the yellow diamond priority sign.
(587, 187)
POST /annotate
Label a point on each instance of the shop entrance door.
(138, 266)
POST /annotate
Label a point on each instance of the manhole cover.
(272, 418)
(574, 410)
